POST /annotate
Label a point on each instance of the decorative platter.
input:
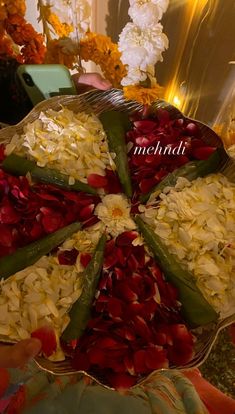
(97, 102)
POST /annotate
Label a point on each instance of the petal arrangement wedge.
(117, 240)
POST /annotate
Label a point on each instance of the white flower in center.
(114, 212)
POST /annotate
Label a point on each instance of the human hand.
(16, 356)
(87, 81)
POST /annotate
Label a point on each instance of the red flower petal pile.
(28, 213)
(162, 131)
(136, 325)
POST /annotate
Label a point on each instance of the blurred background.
(198, 70)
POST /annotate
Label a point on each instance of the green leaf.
(81, 309)
(196, 310)
(30, 254)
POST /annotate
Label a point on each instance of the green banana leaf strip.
(191, 171)
(81, 310)
(196, 310)
(17, 165)
(116, 124)
(30, 254)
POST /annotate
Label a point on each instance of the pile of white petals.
(196, 221)
(142, 41)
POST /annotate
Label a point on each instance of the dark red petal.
(180, 354)
(8, 215)
(81, 361)
(97, 181)
(48, 339)
(145, 125)
(128, 362)
(2, 152)
(115, 307)
(203, 153)
(181, 333)
(147, 184)
(123, 291)
(139, 362)
(51, 223)
(96, 356)
(85, 259)
(86, 212)
(156, 358)
(68, 257)
(6, 235)
(141, 328)
(126, 238)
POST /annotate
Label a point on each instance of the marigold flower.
(101, 50)
(23, 34)
(143, 95)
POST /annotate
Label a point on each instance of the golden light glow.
(177, 101)
(194, 14)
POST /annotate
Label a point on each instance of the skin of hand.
(16, 356)
(89, 81)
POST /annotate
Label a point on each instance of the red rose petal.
(156, 358)
(203, 153)
(68, 257)
(2, 152)
(139, 362)
(8, 215)
(81, 361)
(145, 125)
(4, 381)
(6, 235)
(126, 238)
(86, 212)
(51, 223)
(96, 356)
(48, 339)
(97, 181)
(115, 307)
(85, 259)
(181, 333)
(180, 354)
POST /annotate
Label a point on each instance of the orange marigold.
(58, 51)
(143, 95)
(8, 7)
(9, 48)
(101, 50)
(23, 34)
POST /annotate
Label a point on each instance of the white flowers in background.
(142, 41)
(114, 212)
(82, 10)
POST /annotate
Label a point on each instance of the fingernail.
(33, 347)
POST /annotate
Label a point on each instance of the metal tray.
(97, 102)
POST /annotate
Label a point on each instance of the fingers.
(15, 356)
(92, 79)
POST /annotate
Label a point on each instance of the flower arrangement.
(134, 324)
(18, 39)
(142, 43)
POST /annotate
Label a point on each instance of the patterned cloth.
(34, 392)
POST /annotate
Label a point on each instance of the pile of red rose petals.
(28, 213)
(149, 170)
(136, 325)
